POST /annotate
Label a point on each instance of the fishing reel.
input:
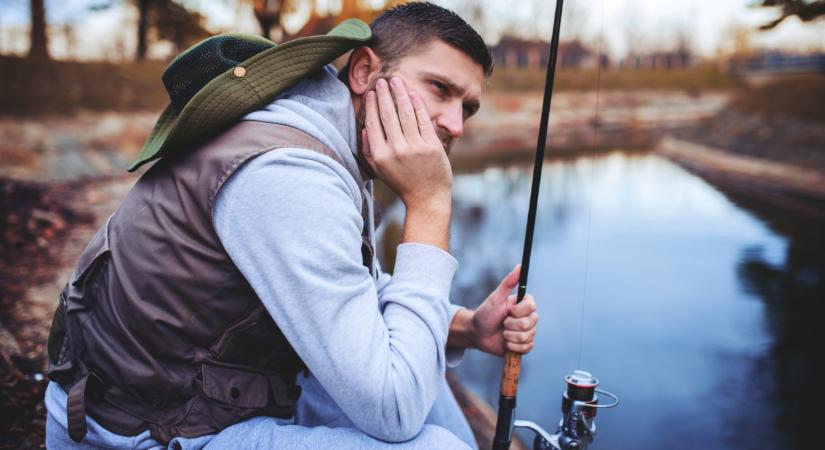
(579, 404)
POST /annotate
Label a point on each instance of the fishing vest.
(156, 328)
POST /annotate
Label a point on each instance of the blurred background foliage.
(127, 78)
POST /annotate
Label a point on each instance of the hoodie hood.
(320, 106)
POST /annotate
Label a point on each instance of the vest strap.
(76, 410)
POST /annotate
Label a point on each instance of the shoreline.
(774, 180)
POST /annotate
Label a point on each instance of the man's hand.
(402, 146)
(498, 324)
(405, 152)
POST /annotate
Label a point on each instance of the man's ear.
(364, 67)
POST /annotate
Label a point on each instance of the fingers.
(523, 308)
(521, 323)
(519, 337)
(425, 124)
(388, 113)
(406, 114)
(519, 331)
(375, 133)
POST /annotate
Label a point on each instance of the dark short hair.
(403, 29)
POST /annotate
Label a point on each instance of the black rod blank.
(507, 400)
(540, 145)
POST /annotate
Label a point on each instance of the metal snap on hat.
(219, 80)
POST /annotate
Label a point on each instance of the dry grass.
(691, 80)
(801, 97)
(32, 88)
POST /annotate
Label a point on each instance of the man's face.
(448, 81)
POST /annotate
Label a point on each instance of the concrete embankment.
(759, 175)
(778, 158)
(506, 127)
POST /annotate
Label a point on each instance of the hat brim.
(227, 97)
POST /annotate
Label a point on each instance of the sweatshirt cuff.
(454, 355)
(426, 266)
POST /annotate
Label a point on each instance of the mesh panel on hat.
(187, 74)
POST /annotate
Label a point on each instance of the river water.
(700, 308)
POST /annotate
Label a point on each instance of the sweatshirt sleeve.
(454, 355)
(290, 221)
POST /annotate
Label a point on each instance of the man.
(197, 343)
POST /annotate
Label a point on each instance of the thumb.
(508, 283)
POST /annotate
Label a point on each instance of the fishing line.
(592, 170)
(579, 401)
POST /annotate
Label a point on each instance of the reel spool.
(579, 403)
(581, 386)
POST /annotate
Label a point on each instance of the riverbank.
(506, 126)
(775, 180)
(779, 158)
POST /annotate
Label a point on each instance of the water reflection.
(646, 275)
(793, 292)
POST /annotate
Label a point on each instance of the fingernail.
(396, 81)
(381, 83)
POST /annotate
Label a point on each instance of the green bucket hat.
(219, 80)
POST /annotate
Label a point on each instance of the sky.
(614, 23)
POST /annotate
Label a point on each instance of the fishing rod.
(580, 400)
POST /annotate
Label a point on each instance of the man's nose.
(452, 120)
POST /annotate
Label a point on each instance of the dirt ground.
(44, 228)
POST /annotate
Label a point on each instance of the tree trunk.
(143, 25)
(39, 41)
(268, 14)
(266, 28)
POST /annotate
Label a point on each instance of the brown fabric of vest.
(157, 328)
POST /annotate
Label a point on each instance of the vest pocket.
(240, 388)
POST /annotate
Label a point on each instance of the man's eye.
(442, 88)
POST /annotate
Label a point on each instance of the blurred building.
(521, 53)
(667, 60)
(777, 62)
(768, 66)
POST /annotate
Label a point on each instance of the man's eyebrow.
(470, 105)
(447, 81)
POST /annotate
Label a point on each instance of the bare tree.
(574, 21)
(632, 32)
(39, 40)
(69, 40)
(268, 14)
(736, 41)
(142, 28)
(167, 18)
(805, 10)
